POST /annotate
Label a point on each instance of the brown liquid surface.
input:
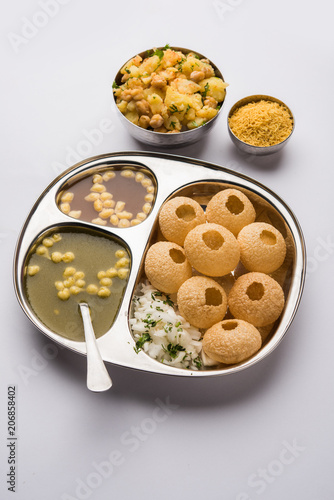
(123, 189)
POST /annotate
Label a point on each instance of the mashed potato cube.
(185, 86)
(156, 103)
(207, 113)
(132, 116)
(122, 106)
(214, 87)
(148, 65)
(196, 123)
(176, 100)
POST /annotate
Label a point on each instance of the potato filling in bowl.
(169, 91)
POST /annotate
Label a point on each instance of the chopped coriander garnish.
(178, 324)
(141, 341)
(151, 323)
(128, 71)
(197, 56)
(198, 362)
(158, 52)
(173, 124)
(173, 349)
(114, 85)
(206, 90)
(168, 301)
(173, 108)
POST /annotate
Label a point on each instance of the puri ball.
(231, 341)
(212, 249)
(230, 208)
(202, 301)
(166, 266)
(262, 247)
(256, 298)
(178, 216)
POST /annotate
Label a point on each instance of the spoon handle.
(98, 378)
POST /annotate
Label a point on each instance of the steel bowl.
(248, 148)
(162, 139)
(175, 176)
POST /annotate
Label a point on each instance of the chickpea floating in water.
(75, 290)
(48, 242)
(123, 262)
(127, 173)
(104, 292)
(92, 289)
(123, 273)
(65, 208)
(135, 222)
(114, 220)
(98, 205)
(108, 175)
(80, 283)
(67, 197)
(32, 270)
(59, 285)
(141, 216)
(111, 273)
(98, 188)
(109, 204)
(124, 223)
(68, 257)
(97, 178)
(120, 205)
(41, 250)
(69, 282)
(56, 257)
(99, 221)
(92, 197)
(56, 237)
(64, 294)
(119, 254)
(147, 208)
(106, 282)
(79, 275)
(139, 176)
(69, 271)
(106, 196)
(75, 214)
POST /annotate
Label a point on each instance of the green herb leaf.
(114, 85)
(206, 90)
(173, 109)
(198, 362)
(173, 349)
(146, 337)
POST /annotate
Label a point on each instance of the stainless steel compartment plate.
(173, 173)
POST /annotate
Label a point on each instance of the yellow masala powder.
(261, 123)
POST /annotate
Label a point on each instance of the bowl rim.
(255, 98)
(143, 54)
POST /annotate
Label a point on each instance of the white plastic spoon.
(98, 378)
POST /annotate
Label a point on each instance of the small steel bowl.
(257, 150)
(164, 139)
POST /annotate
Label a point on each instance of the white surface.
(223, 433)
